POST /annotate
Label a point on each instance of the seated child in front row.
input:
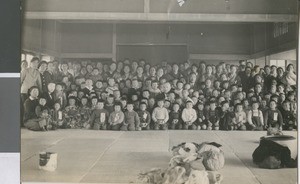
(240, 117)
(99, 117)
(160, 116)
(72, 115)
(57, 115)
(289, 118)
(201, 122)
(255, 117)
(116, 118)
(273, 119)
(175, 122)
(189, 116)
(212, 117)
(145, 117)
(85, 112)
(132, 120)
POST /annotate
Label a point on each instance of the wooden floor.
(87, 156)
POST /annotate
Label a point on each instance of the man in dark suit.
(49, 95)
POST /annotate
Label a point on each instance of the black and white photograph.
(159, 91)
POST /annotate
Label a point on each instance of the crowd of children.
(131, 95)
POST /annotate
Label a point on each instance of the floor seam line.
(101, 155)
(234, 152)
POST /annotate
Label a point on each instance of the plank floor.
(87, 156)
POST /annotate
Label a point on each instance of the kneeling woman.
(30, 119)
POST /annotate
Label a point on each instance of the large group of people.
(136, 95)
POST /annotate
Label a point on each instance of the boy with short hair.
(289, 119)
(175, 121)
(99, 117)
(273, 119)
(240, 117)
(84, 111)
(112, 86)
(201, 122)
(225, 116)
(57, 116)
(131, 120)
(160, 116)
(71, 114)
(212, 117)
(116, 118)
(154, 88)
(109, 106)
(255, 117)
(145, 117)
(189, 116)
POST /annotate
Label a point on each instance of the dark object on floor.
(269, 154)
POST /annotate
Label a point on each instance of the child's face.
(225, 107)
(160, 103)
(99, 84)
(179, 85)
(84, 101)
(200, 107)
(143, 107)
(146, 94)
(239, 108)
(291, 97)
(65, 80)
(207, 83)
(129, 107)
(71, 102)
(264, 103)
(215, 93)
(151, 101)
(179, 101)
(42, 101)
(167, 104)
(117, 94)
(82, 85)
(148, 83)
(57, 106)
(272, 105)
(110, 100)
(128, 83)
(187, 86)
(94, 101)
(195, 99)
(286, 106)
(117, 108)
(134, 97)
(273, 89)
(135, 84)
(258, 88)
(212, 106)
(280, 89)
(176, 107)
(185, 93)
(111, 82)
(124, 103)
(246, 103)
(255, 106)
(154, 85)
(100, 105)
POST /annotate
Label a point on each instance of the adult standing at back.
(30, 77)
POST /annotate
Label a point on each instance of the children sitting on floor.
(161, 97)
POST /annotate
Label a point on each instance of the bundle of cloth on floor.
(191, 163)
(271, 155)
